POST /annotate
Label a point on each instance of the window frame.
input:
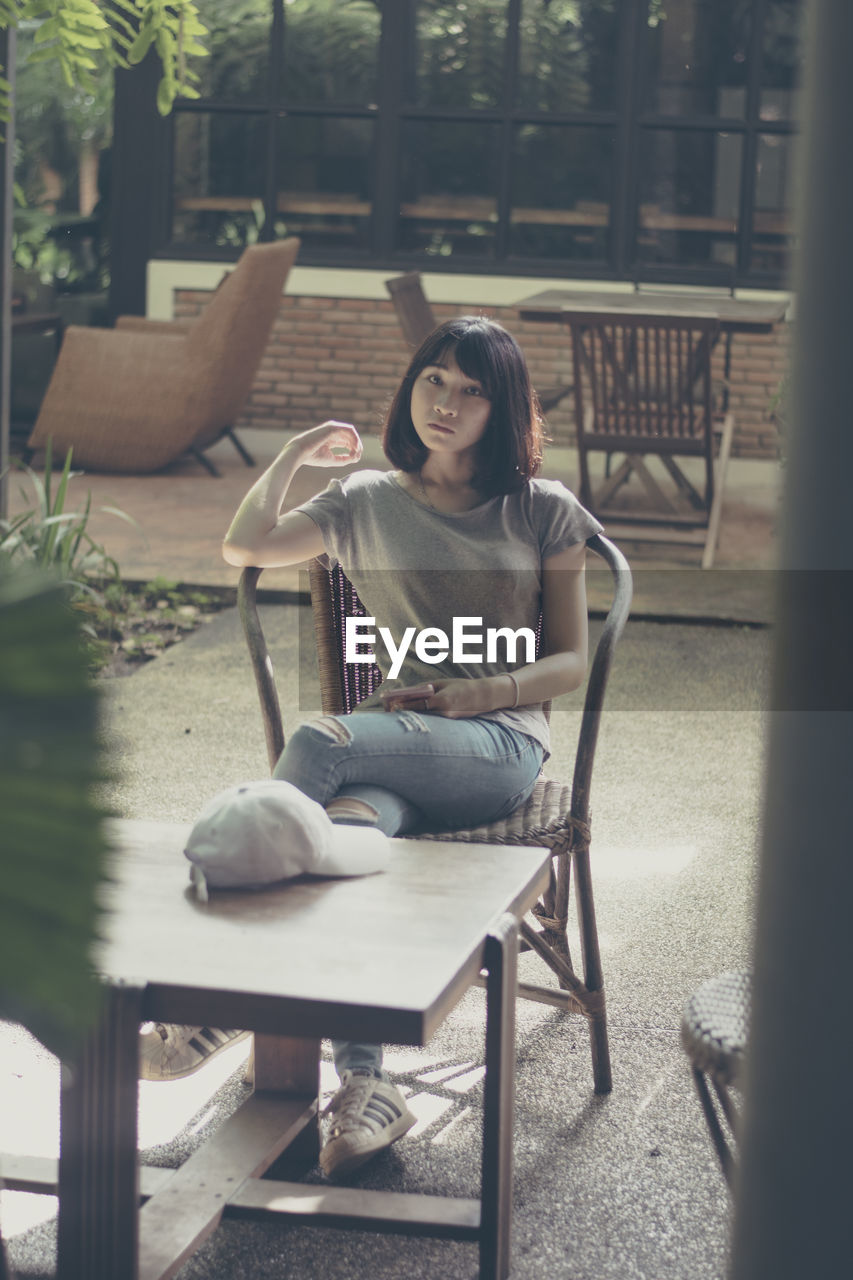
(392, 111)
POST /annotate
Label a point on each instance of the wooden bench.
(378, 958)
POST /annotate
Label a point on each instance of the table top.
(734, 314)
(381, 957)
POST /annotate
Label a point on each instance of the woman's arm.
(259, 535)
(564, 644)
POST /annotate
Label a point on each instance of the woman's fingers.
(332, 444)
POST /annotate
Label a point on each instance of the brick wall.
(343, 358)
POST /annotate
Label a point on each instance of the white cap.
(258, 833)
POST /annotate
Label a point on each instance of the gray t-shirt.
(417, 570)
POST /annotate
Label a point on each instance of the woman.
(460, 540)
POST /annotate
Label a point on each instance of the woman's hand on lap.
(461, 699)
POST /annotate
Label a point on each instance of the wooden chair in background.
(557, 816)
(643, 389)
(417, 322)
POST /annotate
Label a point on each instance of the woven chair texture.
(715, 1036)
(556, 816)
(137, 397)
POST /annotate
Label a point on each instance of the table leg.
(98, 1172)
(283, 1064)
(501, 963)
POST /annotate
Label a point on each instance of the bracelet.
(511, 677)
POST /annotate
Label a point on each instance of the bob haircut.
(510, 452)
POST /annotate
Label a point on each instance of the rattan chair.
(715, 1035)
(137, 397)
(557, 816)
(417, 322)
(643, 388)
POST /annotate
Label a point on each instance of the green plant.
(55, 540)
(53, 843)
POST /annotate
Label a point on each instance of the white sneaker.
(169, 1051)
(365, 1116)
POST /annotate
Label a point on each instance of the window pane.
(567, 55)
(562, 179)
(331, 51)
(449, 188)
(771, 225)
(239, 43)
(324, 182)
(219, 168)
(780, 72)
(689, 196)
(696, 57)
(459, 53)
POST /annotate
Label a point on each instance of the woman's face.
(450, 411)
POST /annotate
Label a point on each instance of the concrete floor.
(624, 1186)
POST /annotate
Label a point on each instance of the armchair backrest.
(643, 379)
(229, 338)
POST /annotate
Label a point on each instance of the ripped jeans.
(436, 774)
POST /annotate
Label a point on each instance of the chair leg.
(722, 1148)
(716, 512)
(204, 460)
(239, 446)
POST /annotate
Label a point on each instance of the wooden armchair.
(643, 388)
(557, 816)
(137, 397)
(417, 321)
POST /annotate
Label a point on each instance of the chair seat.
(543, 820)
(715, 1027)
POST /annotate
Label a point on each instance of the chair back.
(227, 342)
(343, 685)
(413, 310)
(643, 381)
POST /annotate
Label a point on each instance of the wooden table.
(378, 958)
(736, 315)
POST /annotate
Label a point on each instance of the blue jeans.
(414, 773)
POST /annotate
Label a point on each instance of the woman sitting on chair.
(460, 541)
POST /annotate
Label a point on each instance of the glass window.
(238, 39)
(696, 57)
(771, 225)
(331, 51)
(220, 174)
(567, 55)
(324, 181)
(562, 177)
(780, 70)
(449, 188)
(460, 53)
(689, 197)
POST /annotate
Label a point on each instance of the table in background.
(736, 315)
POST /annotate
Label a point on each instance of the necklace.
(424, 492)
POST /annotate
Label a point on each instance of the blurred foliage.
(53, 844)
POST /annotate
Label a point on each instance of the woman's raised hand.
(332, 444)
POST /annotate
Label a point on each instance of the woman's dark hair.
(510, 452)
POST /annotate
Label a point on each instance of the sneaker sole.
(337, 1159)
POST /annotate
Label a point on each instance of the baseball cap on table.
(258, 833)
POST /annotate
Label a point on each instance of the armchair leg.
(239, 446)
(204, 460)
